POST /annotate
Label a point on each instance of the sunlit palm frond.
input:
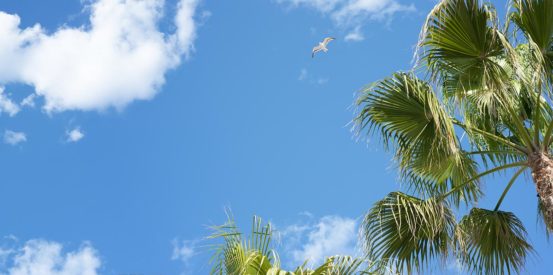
(238, 256)
(492, 242)
(341, 265)
(462, 44)
(473, 62)
(459, 169)
(413, 122)
(535, 19)
(406, 233)
(255, 256)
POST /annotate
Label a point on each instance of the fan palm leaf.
(407, 233)
(412, 121)
(492, 242)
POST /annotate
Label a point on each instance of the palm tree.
(237, 256)
(477, 102)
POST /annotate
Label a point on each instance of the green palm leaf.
(255, 256)
(535, 19)
(547, 222)
(238, 256)
(463, 48)
(461, 44)
(410, 118)
(492, 242)
(406, 233)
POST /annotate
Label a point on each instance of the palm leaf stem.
(547, 136)
(494, 137)
(515, 176)
(493, 170)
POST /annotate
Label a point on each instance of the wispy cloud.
(351, 14)
(303, 74)
(314, 240)
(74, 135)
(322, 80)
(29, 101)
(48, 258)
(7, 105)
(14, 138)
(306, 76)
(355, 35)
(121, 56)
(183, 251)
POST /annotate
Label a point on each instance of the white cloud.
(47, 258)
(324, 6)
(350, 14)
(355, 35)
(183, 250)
(29, 101)
(313, 241)
(14, 138)
(74, 135)
(7, 248)
(356, 11)
(121, 56)
(4, 255)
(7, 105)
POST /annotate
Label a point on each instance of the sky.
(127, 127)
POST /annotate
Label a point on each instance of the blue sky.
(133, 143)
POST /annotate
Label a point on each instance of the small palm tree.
(255, 256)
(477, 102)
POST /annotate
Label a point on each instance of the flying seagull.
(322, 46)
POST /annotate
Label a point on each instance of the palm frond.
(255, 256)
(542, 217)
(410, 118)
(458, 173)
(406, 233)
(492, 242)
(461, 44)
(238, 256)
(535, 19)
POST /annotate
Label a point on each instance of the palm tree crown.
(491, 83)
(256, 256)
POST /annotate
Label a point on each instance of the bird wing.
(316, 49)
(328, 39)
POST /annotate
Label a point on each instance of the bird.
(321, 46)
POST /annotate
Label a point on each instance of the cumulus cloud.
(315, 240)
(48, 258)
(351, 14)
(14, 138)
(74, 135)
(119, 57)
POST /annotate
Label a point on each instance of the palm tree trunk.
(541, 164)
